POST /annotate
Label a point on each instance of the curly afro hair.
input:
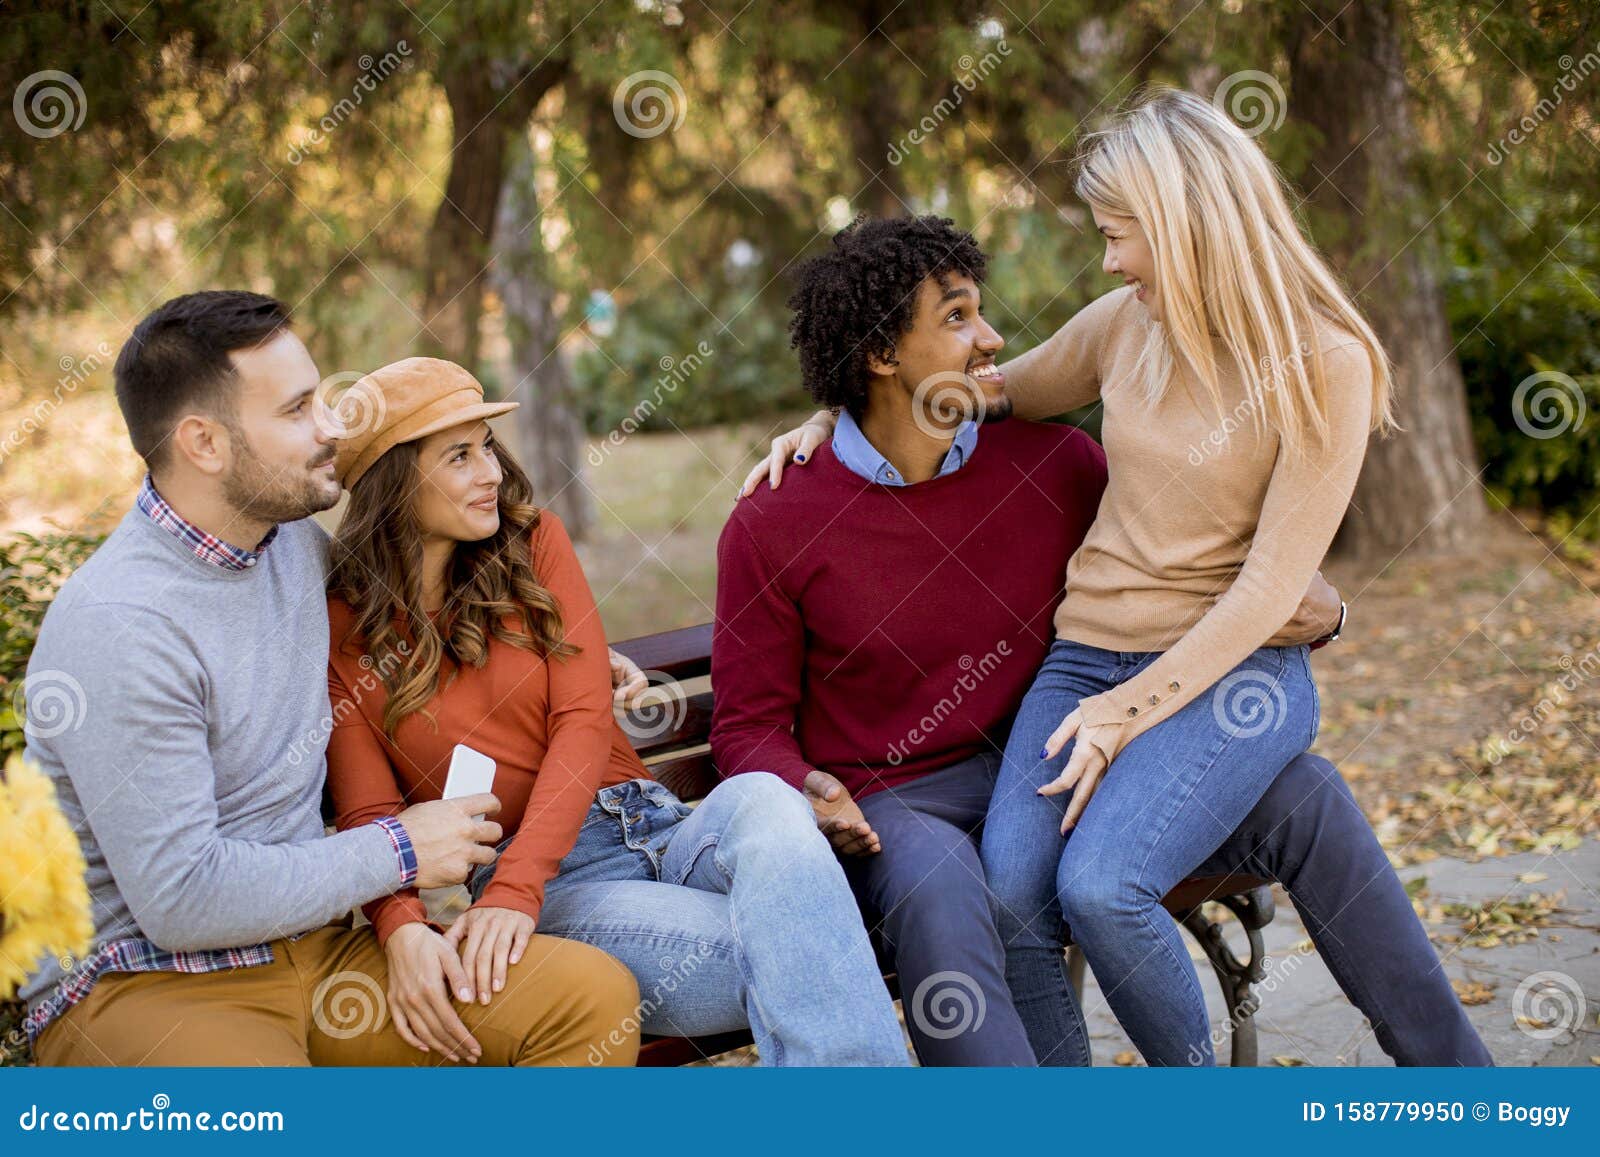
(859, 299)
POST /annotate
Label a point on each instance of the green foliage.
(31, 569)
(1522, 301)
(651, 375)
(14, 1051)
(202, 160)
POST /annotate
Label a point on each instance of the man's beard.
(994, 410)
(255, 489)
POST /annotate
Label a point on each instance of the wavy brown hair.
(490, 589)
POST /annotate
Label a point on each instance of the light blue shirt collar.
(861, 457)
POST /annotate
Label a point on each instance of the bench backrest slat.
(677, 757)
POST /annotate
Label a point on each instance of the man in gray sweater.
(178, 698)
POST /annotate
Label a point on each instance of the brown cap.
(402, 402)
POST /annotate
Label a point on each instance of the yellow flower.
(44, 902)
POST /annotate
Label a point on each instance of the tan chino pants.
(323, 1001)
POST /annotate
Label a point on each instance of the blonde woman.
(1240, 385)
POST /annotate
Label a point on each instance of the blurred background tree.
(568, 197)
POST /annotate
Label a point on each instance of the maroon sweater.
(880, 632)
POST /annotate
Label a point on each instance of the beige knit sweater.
(1207, 536)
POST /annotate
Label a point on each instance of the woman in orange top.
(460, 615)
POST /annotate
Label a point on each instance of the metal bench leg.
(1255, 910)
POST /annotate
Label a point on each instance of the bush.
(650, 371)
(31, 570)
(1517, 313)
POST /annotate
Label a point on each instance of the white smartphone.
(471, 772)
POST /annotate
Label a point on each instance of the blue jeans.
(924, 895)
(1169, 800)
(731, 914)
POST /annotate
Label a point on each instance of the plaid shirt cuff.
(403, 851)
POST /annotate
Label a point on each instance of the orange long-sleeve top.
(547, 724)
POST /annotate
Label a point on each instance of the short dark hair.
(177, 361)
(860, 298)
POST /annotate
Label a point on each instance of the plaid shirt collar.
(206, 547)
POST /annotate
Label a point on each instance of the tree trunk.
(484, 116)
(458, 242)
(874, 127)
(1419, 487)
(549, 427)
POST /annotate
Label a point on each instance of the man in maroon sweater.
(880, 617)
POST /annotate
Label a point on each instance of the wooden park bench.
(677, 754)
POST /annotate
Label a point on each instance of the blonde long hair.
(1231, 261)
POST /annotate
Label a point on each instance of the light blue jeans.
(731, 914)
(1167, 802)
